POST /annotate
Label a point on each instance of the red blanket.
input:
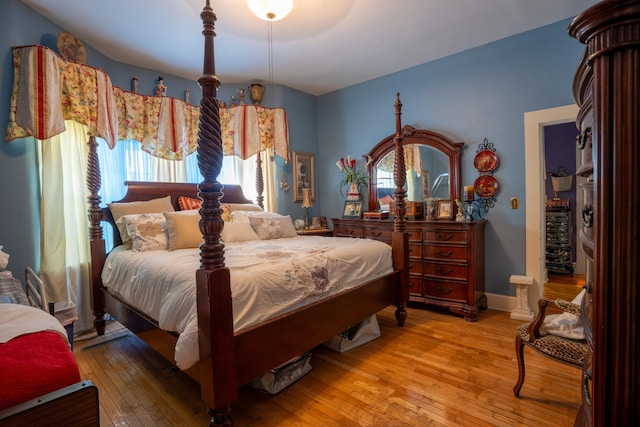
(35, 364)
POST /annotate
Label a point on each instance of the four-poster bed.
(228, 358)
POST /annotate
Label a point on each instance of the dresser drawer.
(445, 236)
(415, 285)
(415, 267)
(445, 290)
(415, 235)
(457, 253)
(348, 231)
(415, 250)
(452, 271)
(378, 233)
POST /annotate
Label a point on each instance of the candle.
(468, 192)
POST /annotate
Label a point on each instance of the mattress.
(268, 278)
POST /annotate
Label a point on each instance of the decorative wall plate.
(485, 161)
(486, 186)
(71, 48)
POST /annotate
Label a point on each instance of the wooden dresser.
(446, 260)
(607, 89)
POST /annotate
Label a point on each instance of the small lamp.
(306, 203)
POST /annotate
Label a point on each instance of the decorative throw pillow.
(273, 227)
(148, 232)
(118, 210)
(244, 207)
(188, 203)
(226, 213)
(238, 232)
(243, 216)
(183, 228)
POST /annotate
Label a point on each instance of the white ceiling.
(322, 46)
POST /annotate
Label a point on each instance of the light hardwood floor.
(439, 370)
(563, 286)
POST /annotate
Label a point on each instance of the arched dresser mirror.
(446, 258)
(432, 162)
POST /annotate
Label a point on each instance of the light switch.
(514, 203)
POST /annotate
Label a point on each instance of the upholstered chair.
(567, 347)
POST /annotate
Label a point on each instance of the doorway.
(534, 123)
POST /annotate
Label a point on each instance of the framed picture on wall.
(303, 175)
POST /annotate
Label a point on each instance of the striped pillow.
(188, 203)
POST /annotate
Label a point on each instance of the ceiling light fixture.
(270, 10)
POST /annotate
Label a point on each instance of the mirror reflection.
(427, 175)
(432, 163)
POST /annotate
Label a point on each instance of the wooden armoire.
(607, 89)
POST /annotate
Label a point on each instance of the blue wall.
(480, 93)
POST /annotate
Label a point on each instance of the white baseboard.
(501, 302)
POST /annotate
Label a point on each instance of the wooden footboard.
(292, 334)
(75, 405)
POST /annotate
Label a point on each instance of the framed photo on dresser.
(352, 209)
(445, 209)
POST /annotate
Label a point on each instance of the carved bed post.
(96, 241)
(215, 318)
(259, 181)
(400, 239)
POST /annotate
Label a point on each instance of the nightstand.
(327, 232)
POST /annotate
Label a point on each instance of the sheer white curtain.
(64, 240)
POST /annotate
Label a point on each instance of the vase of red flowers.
(353, 176)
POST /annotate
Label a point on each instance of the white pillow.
(566, 324)
(244, 207)
(238, 232)
(273, 227)
(118, 210)
(148, 231)
(243, 216)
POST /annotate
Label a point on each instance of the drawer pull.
(441, 236)
(442, 291)
(444, 254)
(376, 233)
(582, 138)
(441, 271)
(587, 216)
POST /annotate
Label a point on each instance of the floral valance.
(48, 90)
(247, 129)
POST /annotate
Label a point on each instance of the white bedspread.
(268, 278)
(18, 319)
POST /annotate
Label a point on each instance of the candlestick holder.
(471, 210)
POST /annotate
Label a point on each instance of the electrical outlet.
(514, 203)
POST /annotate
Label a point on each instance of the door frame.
(534, 123)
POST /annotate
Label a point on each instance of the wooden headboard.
(141, 191)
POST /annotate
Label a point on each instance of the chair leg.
(520, 358)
